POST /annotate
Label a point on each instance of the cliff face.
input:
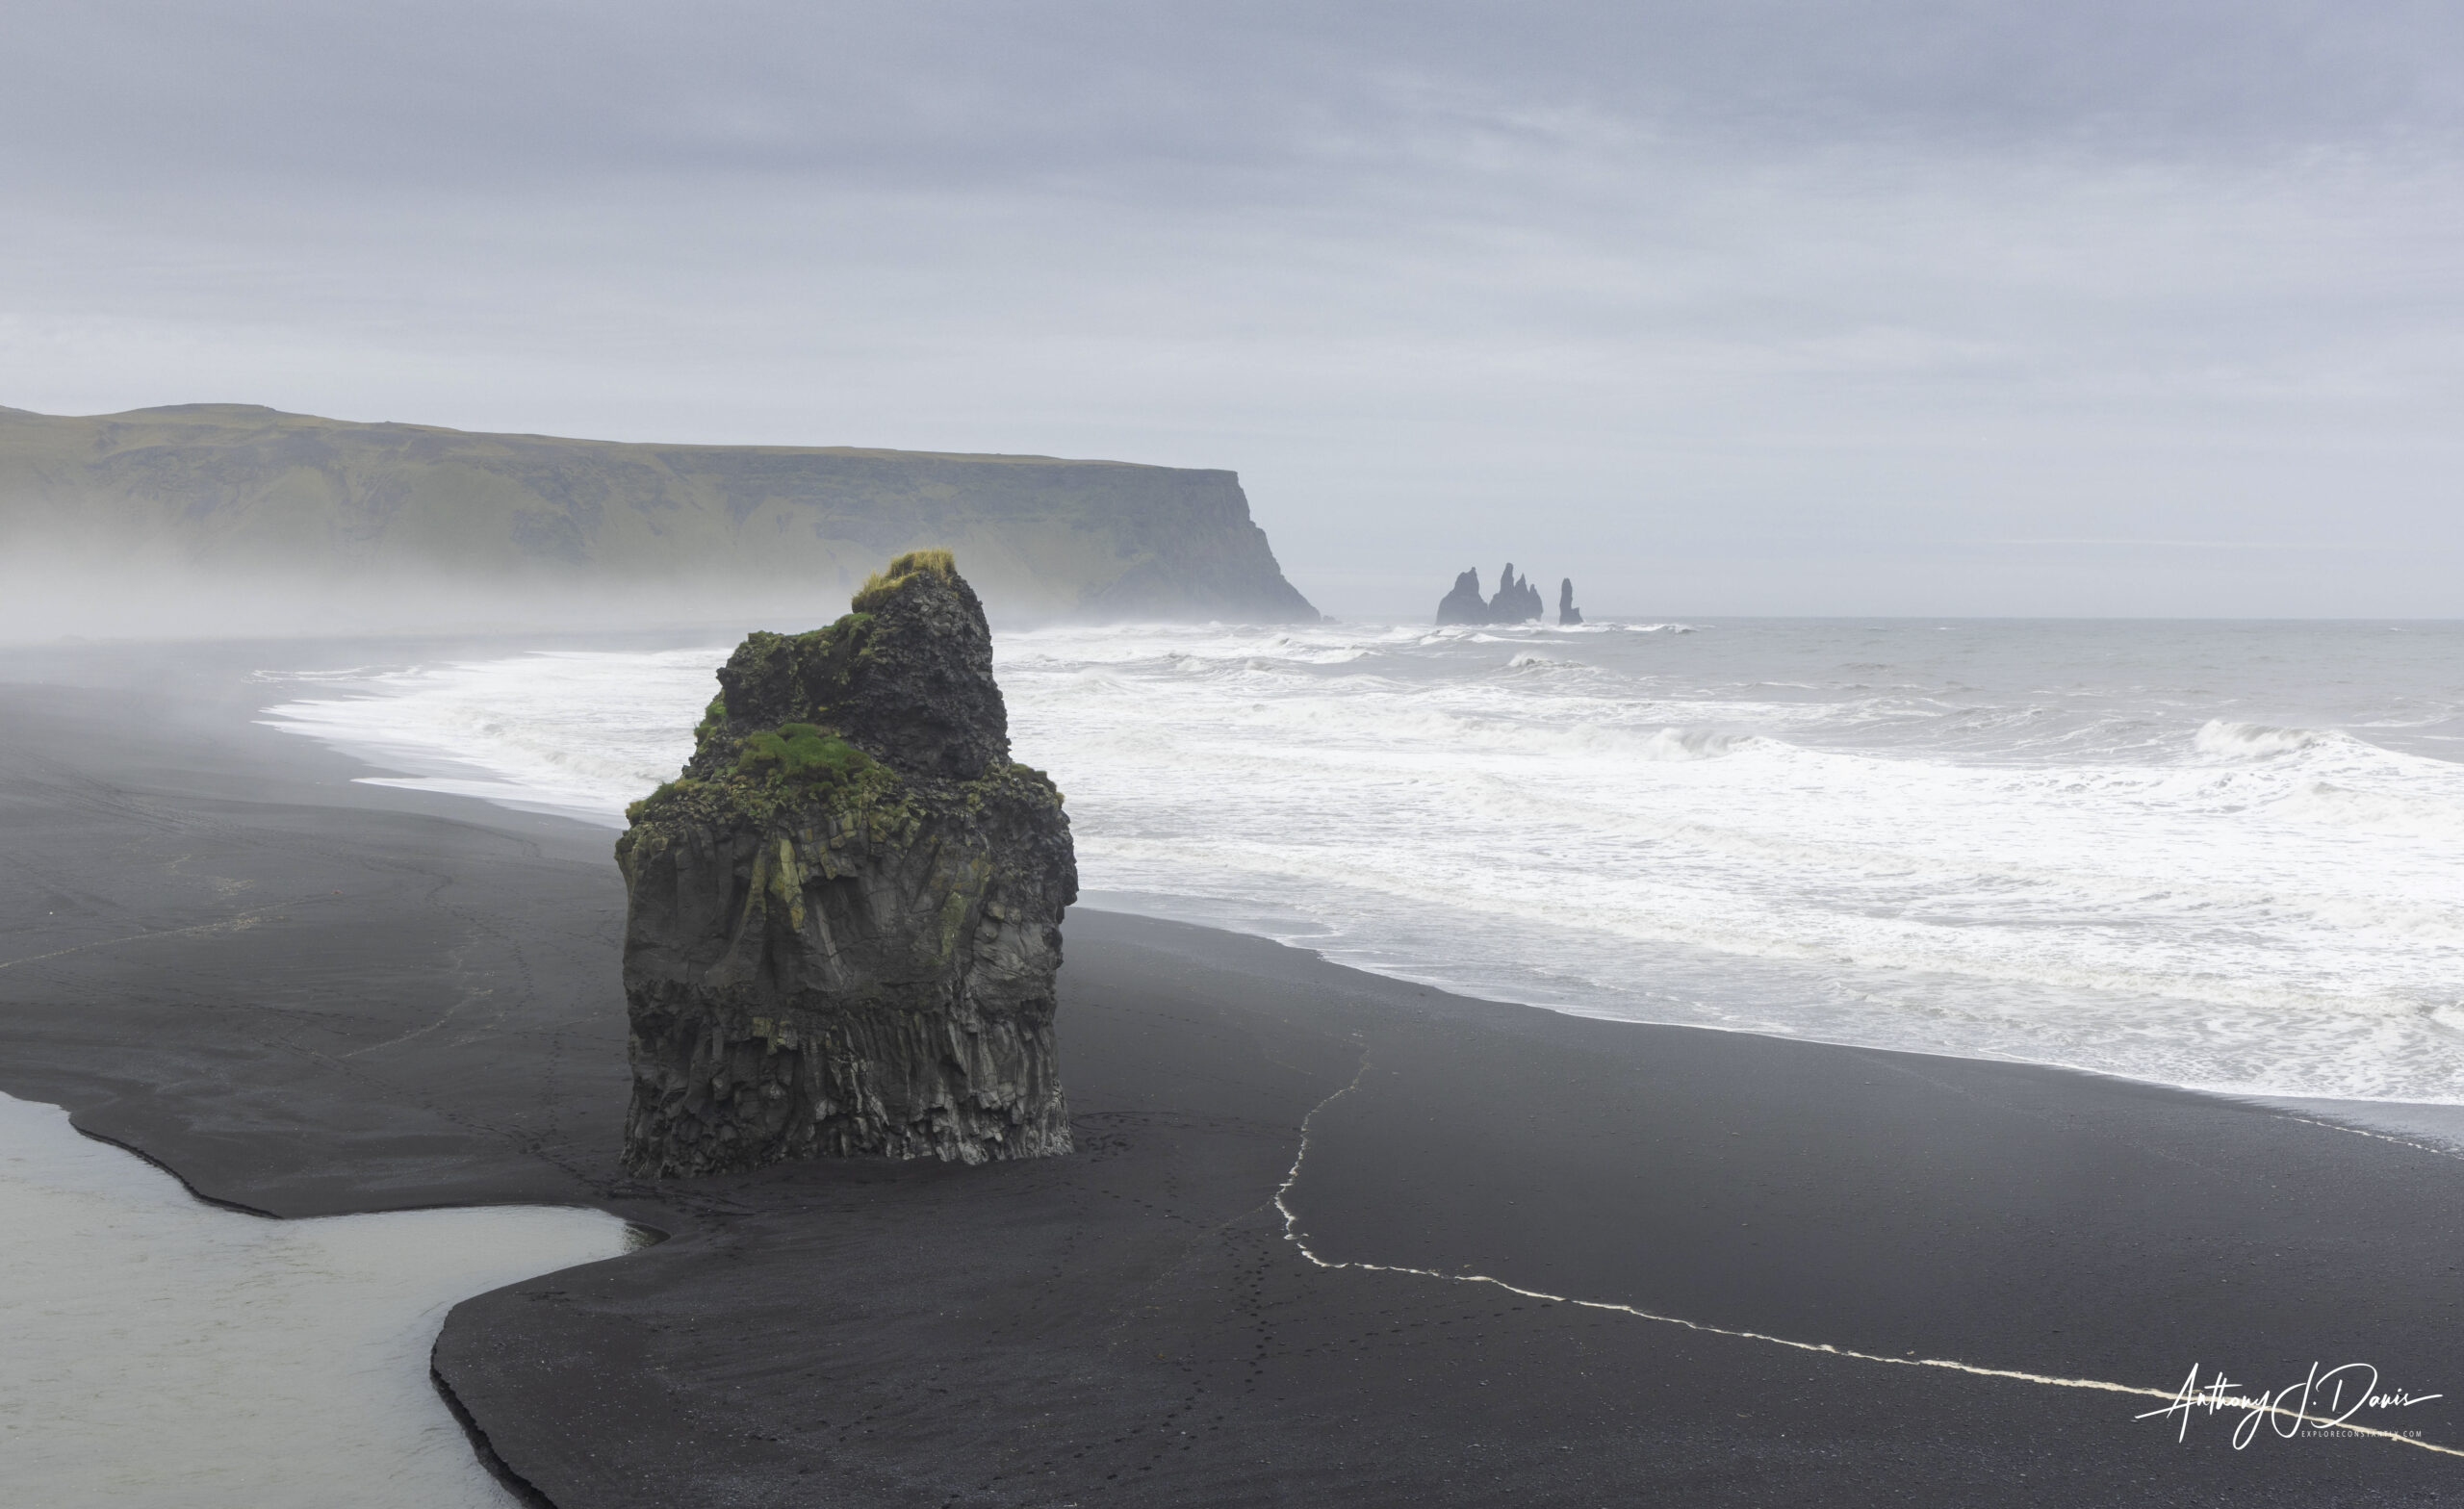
(232, 488)
(843, 919)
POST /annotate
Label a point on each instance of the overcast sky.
(1929, 308)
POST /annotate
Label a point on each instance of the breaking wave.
(2065, 845)
(2229, 740)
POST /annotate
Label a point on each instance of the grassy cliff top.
(240, 487)
(239, 420)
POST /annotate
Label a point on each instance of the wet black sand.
(307, 996)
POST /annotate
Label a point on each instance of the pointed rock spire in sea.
(1464, 604)
(1517, 601)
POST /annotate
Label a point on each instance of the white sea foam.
(160, 1351)
(572, 731)
(2088, 847)
(2229, 740)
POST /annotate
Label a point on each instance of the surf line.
(1292, 1234)
(2376, 1136)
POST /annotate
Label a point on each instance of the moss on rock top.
(898, 691)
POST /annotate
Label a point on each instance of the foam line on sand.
(2173, 1398)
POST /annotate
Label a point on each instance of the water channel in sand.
(157, 1351)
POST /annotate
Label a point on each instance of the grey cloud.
(1783, 307)
(1070, 92)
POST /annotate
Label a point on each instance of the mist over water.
(2213, 854)
(142, 590)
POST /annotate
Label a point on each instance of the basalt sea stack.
(1517, 601)
(845, 917)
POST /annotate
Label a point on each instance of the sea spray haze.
(2218, 854)
(229, 518)
(844, 918)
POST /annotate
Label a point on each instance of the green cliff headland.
(234, 492)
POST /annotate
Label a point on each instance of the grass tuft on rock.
(802, 752)
(879, 585)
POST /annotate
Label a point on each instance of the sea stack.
(1517, 601)
(843, 919)
(1567, 612)
(1464, 604)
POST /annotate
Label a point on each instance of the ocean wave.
(2225, 740)
(1852, 835)
(345, 676)
(1692, 743)
(1533, 660)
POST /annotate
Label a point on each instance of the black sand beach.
(307, 997)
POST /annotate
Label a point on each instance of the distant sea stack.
(1464, 604)
(844, 918)
(1567, 612)
(226, 491)
(1517, 601)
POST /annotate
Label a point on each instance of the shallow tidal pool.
(156, 1350)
